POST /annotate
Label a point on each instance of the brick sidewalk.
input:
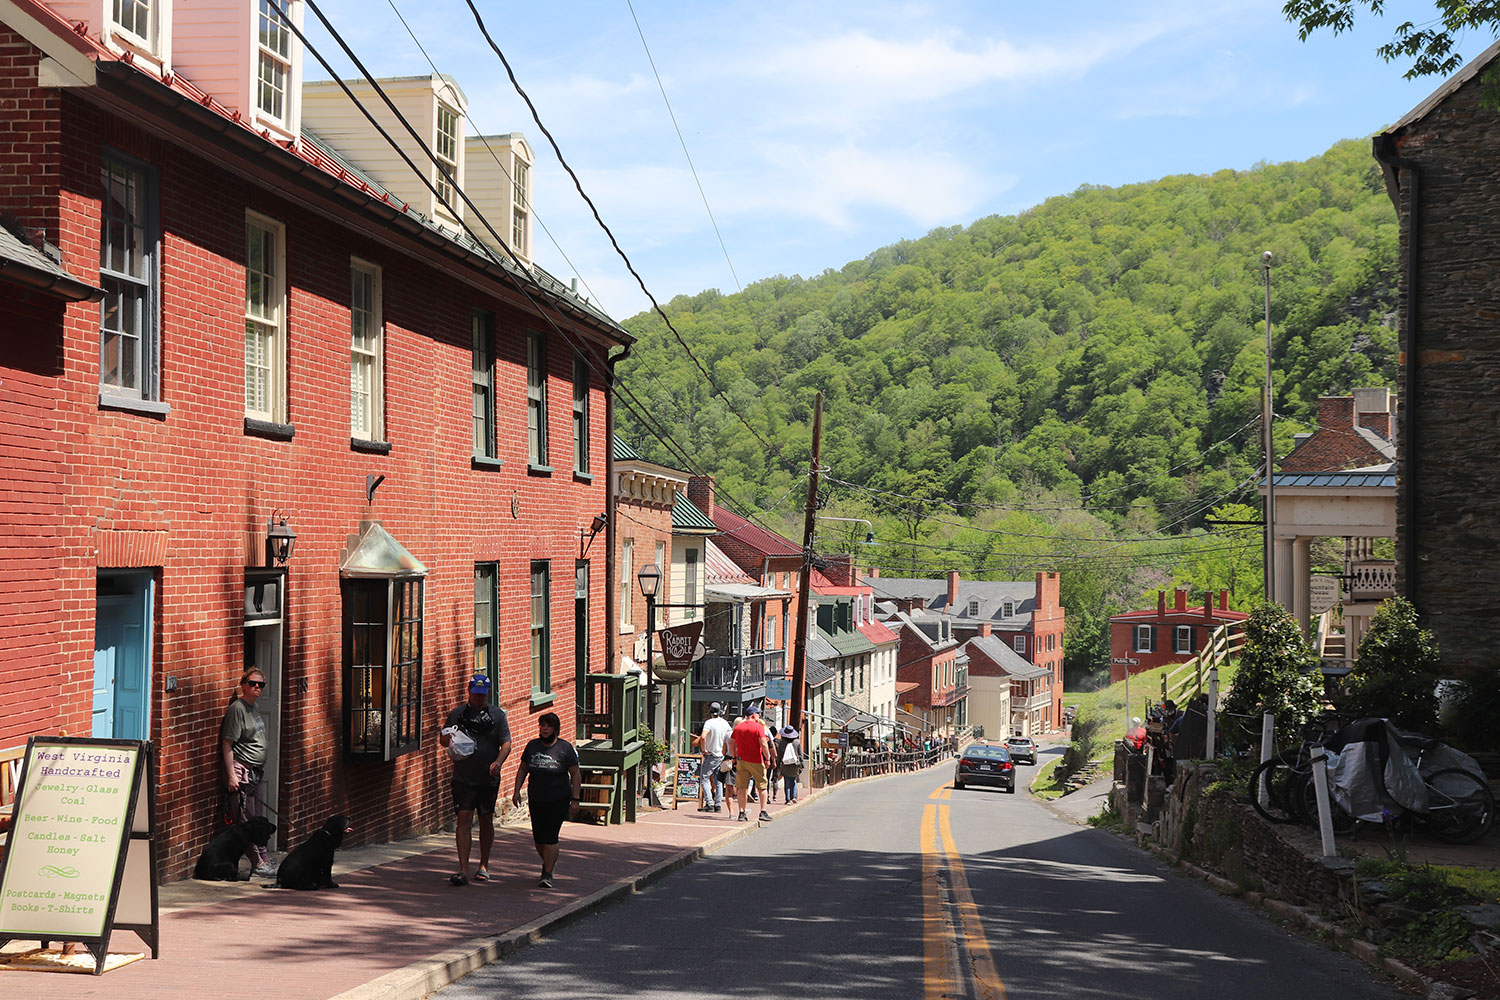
(393, 916)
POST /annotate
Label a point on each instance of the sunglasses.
(255, 684)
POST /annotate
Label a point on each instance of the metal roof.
(623, 452)
(737, 592)
(762, 540)
(24, 264)
(687, 517)
(1354, 479)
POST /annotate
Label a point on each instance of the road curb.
(1338, 937)
(417, 980)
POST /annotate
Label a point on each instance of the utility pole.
(1268, 444)
(804, 585)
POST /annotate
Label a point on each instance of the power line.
(660, 86)
(770, 450)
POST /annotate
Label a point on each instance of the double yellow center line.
(956, 954)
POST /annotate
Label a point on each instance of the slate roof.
(817, 673)
(24, 264)
(991, 595)
(1010, 661)
(1470, 70)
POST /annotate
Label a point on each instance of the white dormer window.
(1008, 609)
(521, 184)
(274, 66)
(447, 154)
(974, 608)
(138, 19)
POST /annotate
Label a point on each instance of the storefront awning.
(741, 592)
(378, 555)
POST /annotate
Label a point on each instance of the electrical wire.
(536, 117)
(688, 156)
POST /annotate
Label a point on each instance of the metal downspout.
(611, 585)
(1384, 148)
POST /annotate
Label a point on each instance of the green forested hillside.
(1074, 387)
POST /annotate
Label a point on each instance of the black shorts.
(475, 798)
(547, 820)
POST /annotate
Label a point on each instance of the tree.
(1429, 46)
(1277, 673)
(1397, 672)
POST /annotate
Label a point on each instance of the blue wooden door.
(122, 665)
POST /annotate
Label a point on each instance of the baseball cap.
(479, 684)
(716, 708)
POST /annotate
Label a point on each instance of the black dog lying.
(220, 860)
(310, 866)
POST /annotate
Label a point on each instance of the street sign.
(779, 688)
(1125, 661)
(830, 741)
(1324, 592)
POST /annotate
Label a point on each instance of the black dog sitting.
(220, 860)
(310, 866)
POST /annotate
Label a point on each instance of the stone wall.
(1450, 449)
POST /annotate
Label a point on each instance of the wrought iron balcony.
(742, 675)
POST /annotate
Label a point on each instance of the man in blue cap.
(476, 778)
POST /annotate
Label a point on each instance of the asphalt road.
(905, 888)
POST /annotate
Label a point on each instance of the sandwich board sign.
(80, 859)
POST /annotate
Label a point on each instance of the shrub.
(1396, 674)
(1277, 672)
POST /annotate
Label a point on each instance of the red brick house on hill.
(1354, 432)
(1145, 640)
(284, 344)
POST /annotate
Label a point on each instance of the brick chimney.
(874, 572)
(840, 570)
(1223, 600)
(1161, 604)
(1335, 413)
(1373, 409)
(1179, 599)
(1208, 606)
(952, 590)
(701, 494)
(984, 628)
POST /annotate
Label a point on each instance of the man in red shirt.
(754, 751)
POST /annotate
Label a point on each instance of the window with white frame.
(768, 641)
(973, 608)
(274, 65)
(521, 206)
(482, 377)
(580, 414)
(129, 313)
(137, 18)
(366, 350)
(446, 149)
(690, 583)
(536, 399)
(627, 581)
(265, 318)
(1019, 644)
(1008, 609)
(1182, 639)
(1145, 638)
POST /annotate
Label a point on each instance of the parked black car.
(985, 764)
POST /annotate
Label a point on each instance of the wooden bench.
(10, 774)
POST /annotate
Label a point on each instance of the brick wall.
(1446, 469)
(189, 495)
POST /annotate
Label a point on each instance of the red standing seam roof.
(762, 540)
(877, 632)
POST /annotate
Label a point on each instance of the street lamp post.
(1268, 444)
(649, 579)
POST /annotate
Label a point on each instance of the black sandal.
(458, 878)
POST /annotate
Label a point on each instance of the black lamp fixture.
(597, 526)
(280, 541)
(650, 579)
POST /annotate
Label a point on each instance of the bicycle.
(1282, 789)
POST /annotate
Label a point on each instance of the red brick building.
(1166, 635)
(280, 337)
(1354, 432)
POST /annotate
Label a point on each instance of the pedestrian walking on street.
(789, 753)
(754, 751)
(715, 744)
(552, 765)
(476, 778)
(242, 751)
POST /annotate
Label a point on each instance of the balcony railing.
(952, 696)
(1372, 580)
(737, 671)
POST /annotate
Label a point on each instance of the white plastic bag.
(789, 755)
(460, 745)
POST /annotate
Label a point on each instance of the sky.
(821, 132)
